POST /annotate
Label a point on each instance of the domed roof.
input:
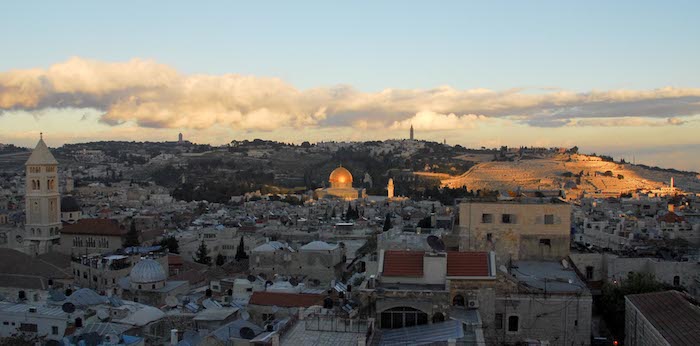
(147, 271)
(69, 204)
(340, 175)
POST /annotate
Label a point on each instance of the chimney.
(173, 337)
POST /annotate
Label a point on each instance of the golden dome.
(340, 177)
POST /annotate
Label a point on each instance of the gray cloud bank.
(156, 95)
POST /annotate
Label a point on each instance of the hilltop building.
(341, 186)
(43, 203)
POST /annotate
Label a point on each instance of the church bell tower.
(42, 200)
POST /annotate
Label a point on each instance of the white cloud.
(431, 121)
(154, 95)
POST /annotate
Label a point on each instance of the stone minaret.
(390, 189)
(411, 131)
(43, 202)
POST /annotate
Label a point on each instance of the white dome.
(147, 271)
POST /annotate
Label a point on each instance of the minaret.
(43, 202)
(390, 189)
(179, 138)
(411, 131)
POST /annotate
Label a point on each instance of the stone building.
(42, 199)
(317, 262)
(148, 284)
(102, 272)
(88, 236)
(515, 229)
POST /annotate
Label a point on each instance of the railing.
(336, 324)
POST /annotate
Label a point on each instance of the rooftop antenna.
(436, 243)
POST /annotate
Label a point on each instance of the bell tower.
(42, 200)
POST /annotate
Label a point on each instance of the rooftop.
(287, 300)
(671, 313)
(467, 263)
(549, 276)
(403, 263)
(95, 227)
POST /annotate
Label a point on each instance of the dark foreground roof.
(672, 314)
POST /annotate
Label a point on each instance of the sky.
(619, 78)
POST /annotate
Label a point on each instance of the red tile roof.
(672, 217)
(403, 263)
(286, 300)
(175, 260)
(467, 263)
(96, 227)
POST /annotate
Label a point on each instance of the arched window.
(438, 317)
(404, 316)
(458, 300)
(676, 280)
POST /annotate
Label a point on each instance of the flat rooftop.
(549, 276)
(671, 313)
(512, 200)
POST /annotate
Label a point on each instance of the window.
(268, 317)
(28, 327)
(508, 218)
(546, 241)
(54, 330)
(513, 323)
(486, 218)
(153, 286)
(489, 236)
(499, 321)
(676, 280)
(549, 219)
(6, 323)
(589, 273)
(458, 300)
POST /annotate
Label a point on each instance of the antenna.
(436, 243)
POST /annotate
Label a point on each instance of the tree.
(612, 301)
(240, 251)
(220, 260)
(132, 237)
(171, 244)
(387, 222)
(202, 255)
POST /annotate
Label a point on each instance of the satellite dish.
(247, 333)
(436, 243)
(251, 278)
(103, 315)
(245, 315)
(294, 282)
(171, 301)
(68, 307)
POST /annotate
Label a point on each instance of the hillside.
(562, 172)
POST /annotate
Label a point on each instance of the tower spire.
(411, 134)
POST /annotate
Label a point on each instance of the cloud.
(629, 121)
(153, 95)
(431, 121)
